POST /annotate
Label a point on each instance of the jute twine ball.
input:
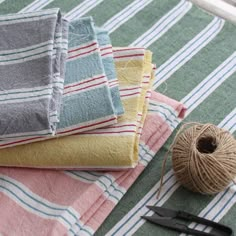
(204, 158)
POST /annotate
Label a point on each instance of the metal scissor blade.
(163, 211)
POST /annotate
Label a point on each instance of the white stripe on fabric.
(113, 82)
(188, 51)
(84, 230)
(77, 55)
(229, 123)
(85, 85)
(106, 50)
(163, 25)
(13, 137)
(210, 83)
(1, 1)
(114, 193)
(93, 85)
(24, 90)
(166, 112)
(128, 51)
(82, 9)
(75, 129)
(85, 48)
(87, 123)
(105, 182)
(37, 18)
(123, 16)
(42, 95)
(26, 49)
(127, 226)
(36, 5)
(26, 55)
(130, 90)
(131, 221)
(15, 17)
(109, 133)
(36, 204)
(117, 130)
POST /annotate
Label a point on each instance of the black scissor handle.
(225, 230)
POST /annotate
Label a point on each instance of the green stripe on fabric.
(32, 91)
(33, 48)
(65, 6)
(179, 35)
(10, 99)
(27, 56)
(140, 23)
(112, 7)
(201, 65)
(12, 6)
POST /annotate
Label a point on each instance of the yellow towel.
(115, 146)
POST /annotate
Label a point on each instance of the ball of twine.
(203, 158)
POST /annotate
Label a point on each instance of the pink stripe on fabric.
(86, 126)
(126, 89)
(83, 53)
(84, 82)
(90, 86)
(130, 94)
(104, 54)
(16, 220)
(131, 55)
(105, 48)
(62, 132)
(77, 49)
(111, 132)
(127, 49)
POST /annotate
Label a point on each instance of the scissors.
(168, 218)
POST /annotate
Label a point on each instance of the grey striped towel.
(33, 49)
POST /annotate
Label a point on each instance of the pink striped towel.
(43, 202)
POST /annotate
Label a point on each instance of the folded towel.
(109, 66)
(32, 60)
(110, 147)
(44, 202)
(89, 101)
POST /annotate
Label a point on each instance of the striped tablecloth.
(195, 55)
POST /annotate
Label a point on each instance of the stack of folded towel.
(64, 78)
(69, 100)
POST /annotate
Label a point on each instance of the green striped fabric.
(195, 54)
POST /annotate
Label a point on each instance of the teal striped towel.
(91, 96)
